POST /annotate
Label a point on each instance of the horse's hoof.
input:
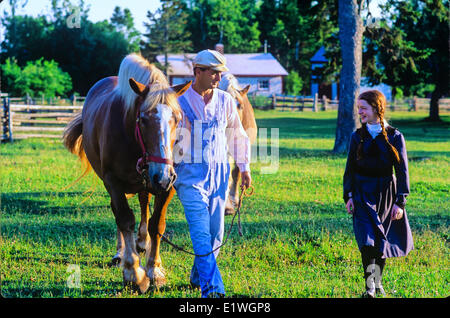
(140, 288)
(157, 276)
(115, 261)
(159, 282)
(139, 282)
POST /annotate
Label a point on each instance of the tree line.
(406, 48)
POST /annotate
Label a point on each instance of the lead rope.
(238, 213)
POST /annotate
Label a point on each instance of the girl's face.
(366, 112)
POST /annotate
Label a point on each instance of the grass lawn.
(298, 239)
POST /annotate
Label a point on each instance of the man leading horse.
(209, 129)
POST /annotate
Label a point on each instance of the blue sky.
(99, 9)
(103, 9)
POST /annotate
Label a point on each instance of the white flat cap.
(210, 59)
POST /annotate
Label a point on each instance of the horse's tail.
(73, 141)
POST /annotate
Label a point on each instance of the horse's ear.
(137, 87)
(245, 90)
(180, 89)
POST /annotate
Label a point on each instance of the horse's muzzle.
(162, 179)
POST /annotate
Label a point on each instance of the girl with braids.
(373, 195)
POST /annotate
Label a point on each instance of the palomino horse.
(126, 133)
(230, 84)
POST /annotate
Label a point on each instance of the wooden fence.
(301, 103)
(20, 118)
(20, 121)
(43, 101)
(314, 103)
(5, 123)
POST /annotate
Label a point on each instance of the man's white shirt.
(237, 139)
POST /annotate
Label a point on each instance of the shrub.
(37, 78)
(294, 83)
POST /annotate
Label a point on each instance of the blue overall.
(202, 186)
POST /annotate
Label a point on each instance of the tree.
(35, 79)
(391, 59)
(25, 37)
(124, 23)
(166, 32)
(294, 83)
(229, 25)
(425, 24)
(87, 53)
(350, 37)
(295, 30)
(232, 23)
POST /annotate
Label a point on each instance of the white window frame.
(261, 88)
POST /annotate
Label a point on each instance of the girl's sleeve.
(401, 171)
(350, 168)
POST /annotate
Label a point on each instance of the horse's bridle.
(146, 157)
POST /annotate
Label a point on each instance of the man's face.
(208, 78)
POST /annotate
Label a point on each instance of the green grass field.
(298, 239)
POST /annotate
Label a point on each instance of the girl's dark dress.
(375, 190)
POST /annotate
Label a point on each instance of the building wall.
(275, 84)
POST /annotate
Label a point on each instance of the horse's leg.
(116, 260)
(157, 226)
(143, 240)
(133, 273)
(233, 194)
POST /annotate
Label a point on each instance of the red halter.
(146, 157)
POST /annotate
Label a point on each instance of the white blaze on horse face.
(164, 116)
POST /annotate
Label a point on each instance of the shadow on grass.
(314, 216)
(412, 128)
(92, 289)
(300, 127)
(299, 153)
(89, 289)
(308, 230)
(66, 258)
(37, 203)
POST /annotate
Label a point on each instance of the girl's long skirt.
(373, 198)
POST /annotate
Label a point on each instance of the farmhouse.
(261, 71)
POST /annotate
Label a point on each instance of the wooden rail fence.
(314, 103)
(23, 119)
(301, 103)
(20, 121)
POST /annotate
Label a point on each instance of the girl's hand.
(350, 206)
(396, 213)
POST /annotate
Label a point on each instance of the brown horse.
(230, 84)
(126, 133)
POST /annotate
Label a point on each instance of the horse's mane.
(137, 67)
(230, 84)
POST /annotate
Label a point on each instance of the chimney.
(219, 48)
